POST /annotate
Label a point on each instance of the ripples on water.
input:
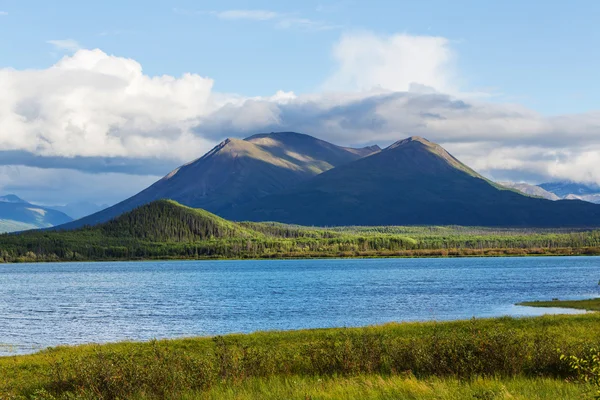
(69, 303)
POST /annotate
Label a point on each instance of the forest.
(167, 230)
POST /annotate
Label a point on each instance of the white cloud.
(70, 45)
(2, 13)
(256, 15)
(305, 24)
(92, 104)
(366, 61)
(281, 20)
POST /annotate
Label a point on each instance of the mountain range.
(237, 172)
(17, 214)
(295, 178)
(558, 191)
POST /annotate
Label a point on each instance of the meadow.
(502, 358)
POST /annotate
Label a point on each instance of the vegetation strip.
(450, 356)
(167, 230)
(589, 305)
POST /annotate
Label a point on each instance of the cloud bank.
(94, 113)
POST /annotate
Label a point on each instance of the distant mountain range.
(295, 178)
(531, 190)
(559, 190)
(564, 189)
(79, 209)
(17, 214)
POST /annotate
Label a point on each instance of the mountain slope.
(17, 214)
(412, 182)
(237, 171)
(530, 190)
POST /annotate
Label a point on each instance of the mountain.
(237, 171)
(412, 182)
(563, 189)
(17, 214)
(79, 209)
(530, 190)
(592, 198)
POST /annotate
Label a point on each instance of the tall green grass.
(462, 352)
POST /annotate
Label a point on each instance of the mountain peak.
(11, 198)
(412, 139)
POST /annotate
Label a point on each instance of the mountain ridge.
(238, 171)
(411, 182)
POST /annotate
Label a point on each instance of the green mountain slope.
(169, 221)
(412, 182)
(237, 172)
(17, 214)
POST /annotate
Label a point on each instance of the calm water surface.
(69, 303)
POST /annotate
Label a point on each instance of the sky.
(99, 100)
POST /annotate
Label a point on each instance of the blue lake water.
(70, 303)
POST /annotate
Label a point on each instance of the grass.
(375, 387)
(476, 359)
(589, 305)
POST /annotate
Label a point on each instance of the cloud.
(305, 24)
(3, 13)
(48, 186)
(92, 104)
(255, 15)
(366, 61)
(70, 45)
(97, 114)
(281, 20)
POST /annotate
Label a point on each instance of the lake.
(45, 305)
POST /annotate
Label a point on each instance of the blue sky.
(539, 53)
(530, 65)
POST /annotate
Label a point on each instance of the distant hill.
(237, 171)
(169, 221)
(412, 182)
(564, 189)
(592, 198)
(17, 214)
(530, 190)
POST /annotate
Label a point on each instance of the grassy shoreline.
(588, 304)
(497, 358)
(438, 253)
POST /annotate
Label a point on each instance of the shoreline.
(424, 322)
(431, 255)
(505, 349)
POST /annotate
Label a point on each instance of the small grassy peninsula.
(167, 230)
(589, 305)
(503, 358)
